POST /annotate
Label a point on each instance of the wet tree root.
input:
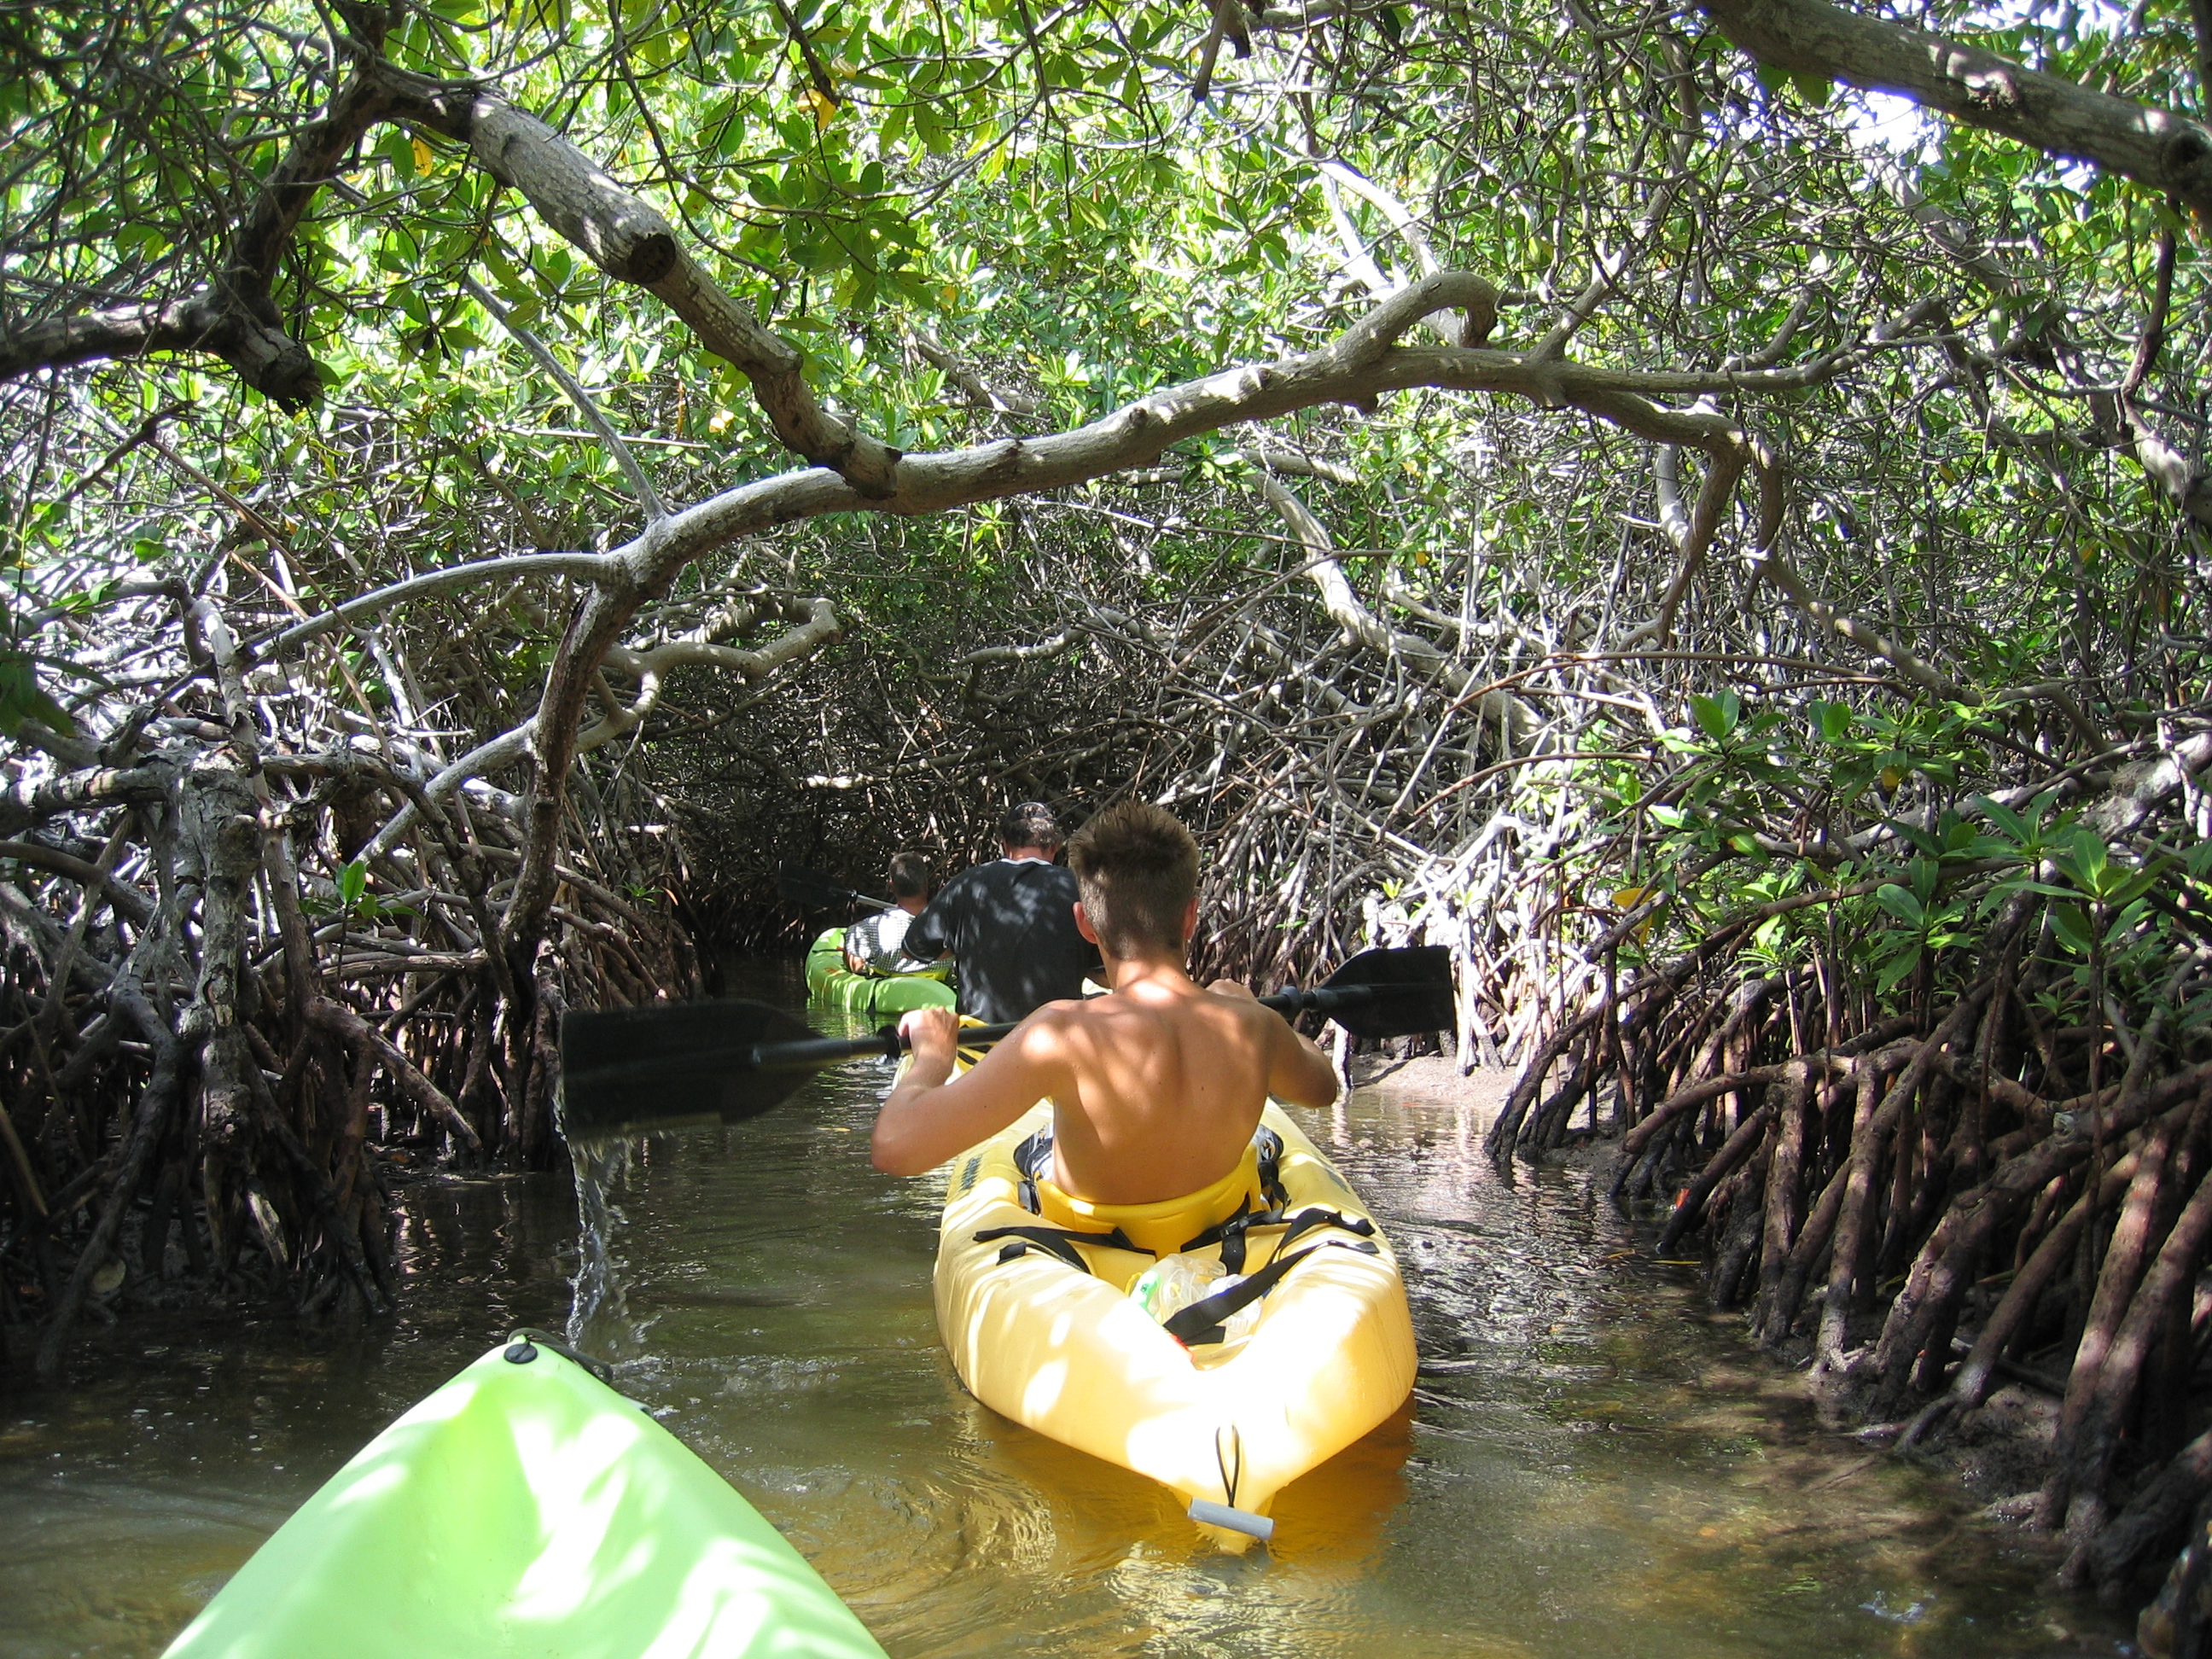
(1904, 1178)
(209, 1030)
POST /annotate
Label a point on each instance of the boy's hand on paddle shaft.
(929, 1114)
(934, 1035)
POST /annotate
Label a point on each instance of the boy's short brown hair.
(910, 875)
(1138, 868)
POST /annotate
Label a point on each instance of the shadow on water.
(1589, 1466)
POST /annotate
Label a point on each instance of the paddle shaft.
(814, 1054)
(813, 890)
(659, 1067)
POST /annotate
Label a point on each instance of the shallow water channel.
(1589, 1466)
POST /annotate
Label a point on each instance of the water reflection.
(1589, 1467)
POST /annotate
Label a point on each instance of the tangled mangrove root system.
(264, 950)
(2002, 1179)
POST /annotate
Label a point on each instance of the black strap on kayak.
(1231, 1235)
(1269, 1146)
(1306, 1220)
(1060, 1241)
(1201, 1322)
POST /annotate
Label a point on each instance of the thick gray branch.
(24, 802)
(816, 625)
(584, 567)
(991, 655)
(627, 238)
(127, 899)
(1363, 366)
(266, 357)
(2169, 151)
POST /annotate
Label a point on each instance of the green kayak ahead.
(871, 996)
(525, 1511)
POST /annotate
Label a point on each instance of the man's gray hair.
(1030, 824)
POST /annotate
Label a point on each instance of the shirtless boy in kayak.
(1156, 1088)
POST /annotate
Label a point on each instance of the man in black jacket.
(1010, 924)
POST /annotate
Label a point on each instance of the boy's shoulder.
(1115, 1008)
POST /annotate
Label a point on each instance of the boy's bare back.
(1164, 1087)
(1155, 1089)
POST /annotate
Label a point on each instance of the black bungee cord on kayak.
(1232, 1475)
(1205, 1321)
(1059, 1241)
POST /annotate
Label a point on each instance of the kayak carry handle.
(1209, 1514)
(524, 1342)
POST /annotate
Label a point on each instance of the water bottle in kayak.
(1173, 1282)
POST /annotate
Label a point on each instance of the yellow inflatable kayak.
(1033, 1299)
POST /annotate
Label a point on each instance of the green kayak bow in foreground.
(526, 1509)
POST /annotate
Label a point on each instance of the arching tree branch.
(2161, 147)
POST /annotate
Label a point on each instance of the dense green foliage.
(1043, 196)
(1039, 201)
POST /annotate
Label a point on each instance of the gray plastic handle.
(1220, 1515)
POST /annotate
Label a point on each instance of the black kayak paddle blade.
(663, 1066)
(1412, 992)
(810, 889)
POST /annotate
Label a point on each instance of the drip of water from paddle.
(599, 1320)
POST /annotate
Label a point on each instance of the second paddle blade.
(1413, 989)
(658, 1068)
(810, 889)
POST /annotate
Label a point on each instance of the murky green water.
(1588, 1467)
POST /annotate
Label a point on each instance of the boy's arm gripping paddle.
(669, 1066)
